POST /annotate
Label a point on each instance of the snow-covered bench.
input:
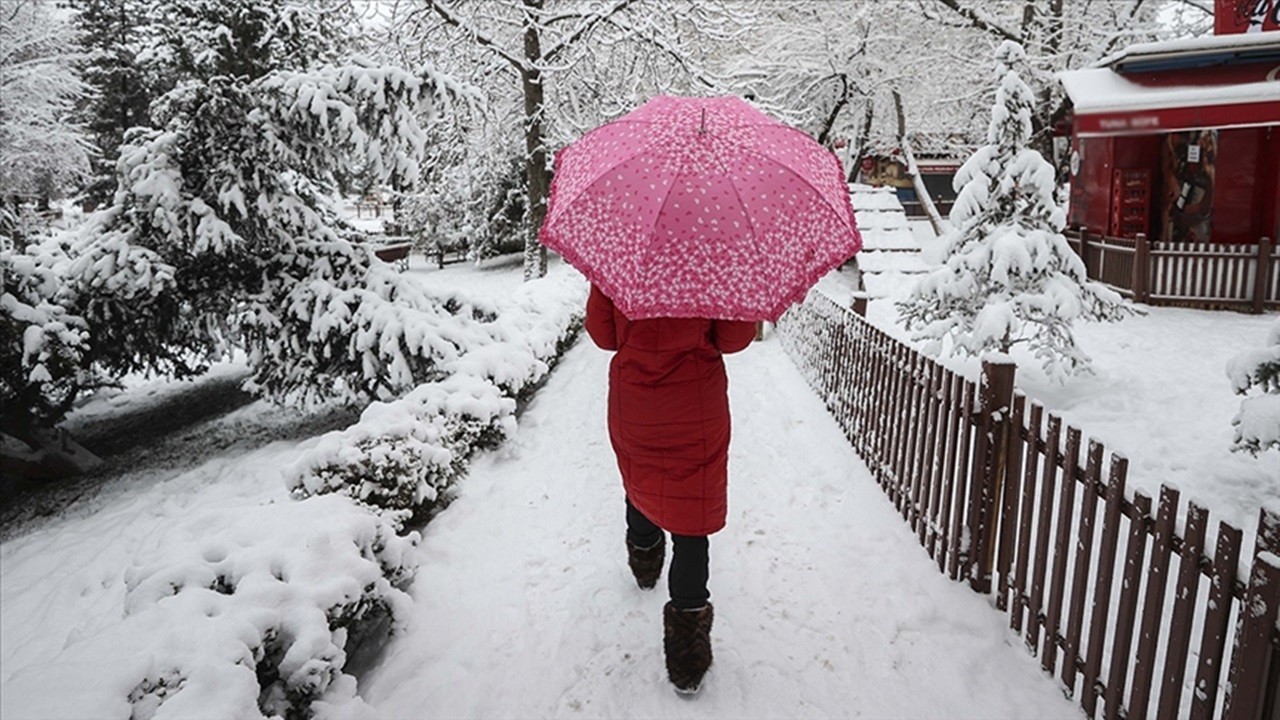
(397, 253)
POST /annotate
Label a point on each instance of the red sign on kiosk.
(1241, 16)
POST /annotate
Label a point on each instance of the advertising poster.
(1189, 163)
(1243, 16)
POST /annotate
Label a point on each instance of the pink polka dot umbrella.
(700, 207)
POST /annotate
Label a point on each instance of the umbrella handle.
(702, 128)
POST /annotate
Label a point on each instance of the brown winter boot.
(686, 642)
(646, 563)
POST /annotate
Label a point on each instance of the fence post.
(1141, 267)
(1262, 275)
(859, 304)
(996, 394)
(1253, 692)
(1089, 271)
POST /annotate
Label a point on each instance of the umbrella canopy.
(700, 207)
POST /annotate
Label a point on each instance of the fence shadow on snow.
(1005, 497)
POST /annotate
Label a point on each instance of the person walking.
(669, 426)
(693, 218)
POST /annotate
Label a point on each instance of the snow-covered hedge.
(240, 612)
(406, 456)
(1257, 425)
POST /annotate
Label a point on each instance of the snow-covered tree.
(137, 50)
(122, 88)
(221, 232)
(1010, 278)
(826, 68)
(552, 69)
(42, 151)
(1257, 424)
(1057, 34)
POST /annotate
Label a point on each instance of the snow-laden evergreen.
(1009, 278)
(1257, 424)
(42, 344)
(222, 234)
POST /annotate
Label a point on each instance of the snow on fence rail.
(996, 488)
(1193, 274)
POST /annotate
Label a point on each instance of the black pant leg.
(640, 530)
(690, 566)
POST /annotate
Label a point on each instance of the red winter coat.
(669, 412)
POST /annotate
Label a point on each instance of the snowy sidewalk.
(826, 606)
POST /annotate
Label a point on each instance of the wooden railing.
(1245, 277)
(1004, 496)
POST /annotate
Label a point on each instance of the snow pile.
(237, 611)
(407, 455)
(1257, 424)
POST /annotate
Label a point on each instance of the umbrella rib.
(750, 223)
(644, 148)
(839, 211)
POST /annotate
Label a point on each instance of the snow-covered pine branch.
(42, 344)
(1010, 278)
(1257, 424)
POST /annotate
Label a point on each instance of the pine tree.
(122, 87)
(221, 234)
(1010, 278)
(1257, 424)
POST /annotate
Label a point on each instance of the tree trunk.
(902, 115)
(538, 180)
(864, 134)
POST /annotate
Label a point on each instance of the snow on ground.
(825, 603)
(524, 606)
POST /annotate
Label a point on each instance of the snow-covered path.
(825, 604)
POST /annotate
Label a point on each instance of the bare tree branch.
(451, 17)
(982, 23)
(1201, 5)
(587, 24)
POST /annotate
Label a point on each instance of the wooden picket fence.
(1005, 497)
(1245, 277)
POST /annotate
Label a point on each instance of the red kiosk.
(1179, 142)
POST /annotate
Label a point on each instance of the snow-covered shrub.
(1010, 278)
(542, 319)
(1257, 424)
(42, 344)
(241, 612)
(408, 455)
